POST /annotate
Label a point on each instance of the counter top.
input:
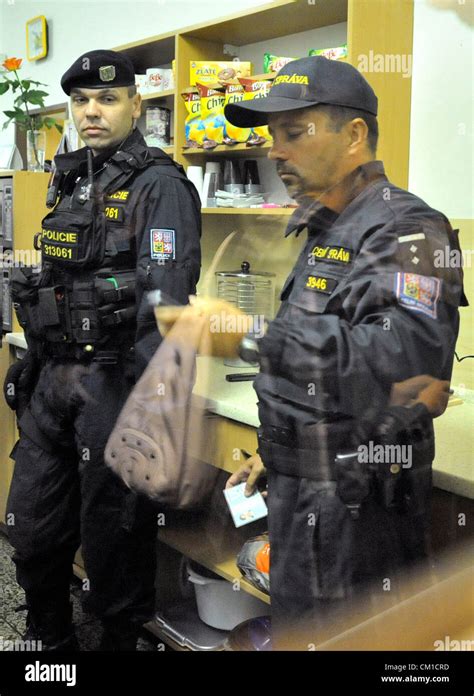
(453, 468)
(234, 400)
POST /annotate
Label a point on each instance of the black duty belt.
(296, 455)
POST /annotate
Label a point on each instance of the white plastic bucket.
(220, 606)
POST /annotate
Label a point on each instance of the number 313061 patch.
(162, 244)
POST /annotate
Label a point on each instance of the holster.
(61, 318)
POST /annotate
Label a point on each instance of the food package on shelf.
(212, 114)
(273, 63)
(255, 88)
(193, 126)
(337, 53)
(211, 71)
(234, 92)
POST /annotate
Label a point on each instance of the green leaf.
(4, 87)
(26, 84)
(6, 124)
(13, 114)
(49, 121)
(59, 128)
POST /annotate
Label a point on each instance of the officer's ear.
(357, 131)
(137, 105)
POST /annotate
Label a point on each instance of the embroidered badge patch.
(162, 244)
(417, 292)
(318, 283)
(338, 254)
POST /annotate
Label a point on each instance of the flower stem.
(31, 121)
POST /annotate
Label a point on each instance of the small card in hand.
(242, 508)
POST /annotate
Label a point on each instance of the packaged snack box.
(273, 63)
(234, 92)
(193, 126)
(337, 53)
(256, 88)
(209, 72)
(212, 115)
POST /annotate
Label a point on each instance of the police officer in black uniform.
(125, 221)
(365, 308)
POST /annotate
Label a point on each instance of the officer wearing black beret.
(366, 322)
(125, 220)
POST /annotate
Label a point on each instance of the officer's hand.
(404, 393)
(251, 470)
(435, 397)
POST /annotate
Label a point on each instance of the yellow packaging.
(212, 115)
(234, 92)
(211, 71)
(256, 88)
(193, 126)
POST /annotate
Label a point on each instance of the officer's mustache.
(281, 171)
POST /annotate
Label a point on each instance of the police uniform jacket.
(370, 301)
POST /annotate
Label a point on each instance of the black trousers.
(327, 566)
(63, 495)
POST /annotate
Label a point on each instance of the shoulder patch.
(162, 244)
(418, 293)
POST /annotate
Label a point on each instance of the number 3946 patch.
(417, 292)
(318, 283)
(162, 244)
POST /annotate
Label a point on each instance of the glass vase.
(35, 150)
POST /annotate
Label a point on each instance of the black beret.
(98, 69)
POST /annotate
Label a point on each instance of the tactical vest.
(82, 303)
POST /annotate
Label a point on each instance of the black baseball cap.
(99, 69)
(306, 82)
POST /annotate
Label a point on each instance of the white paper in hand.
(244, 510)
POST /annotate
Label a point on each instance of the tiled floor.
(12, 623)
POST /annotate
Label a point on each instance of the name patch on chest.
(338, 254)
(59, 244)
(418, 293)
(162, 244)
(118, 196)
(319, 283)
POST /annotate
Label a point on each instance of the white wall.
(77, 26)
(441, 142)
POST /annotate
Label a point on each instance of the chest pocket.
(72, 238)
(318, 287)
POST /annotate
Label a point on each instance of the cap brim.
(257, 111)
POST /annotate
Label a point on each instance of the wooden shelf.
(248, 211)
(270, 21)
(165, 94)
(239, 150)
(213, 549)
(169, 150)
(150, 52)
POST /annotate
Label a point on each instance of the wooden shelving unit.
(154, 96)
(238, 150)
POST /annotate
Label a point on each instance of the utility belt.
(78, 319)
(356, 479)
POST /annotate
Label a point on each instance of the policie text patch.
(318, 283)
(417, 292)
(162, 244)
